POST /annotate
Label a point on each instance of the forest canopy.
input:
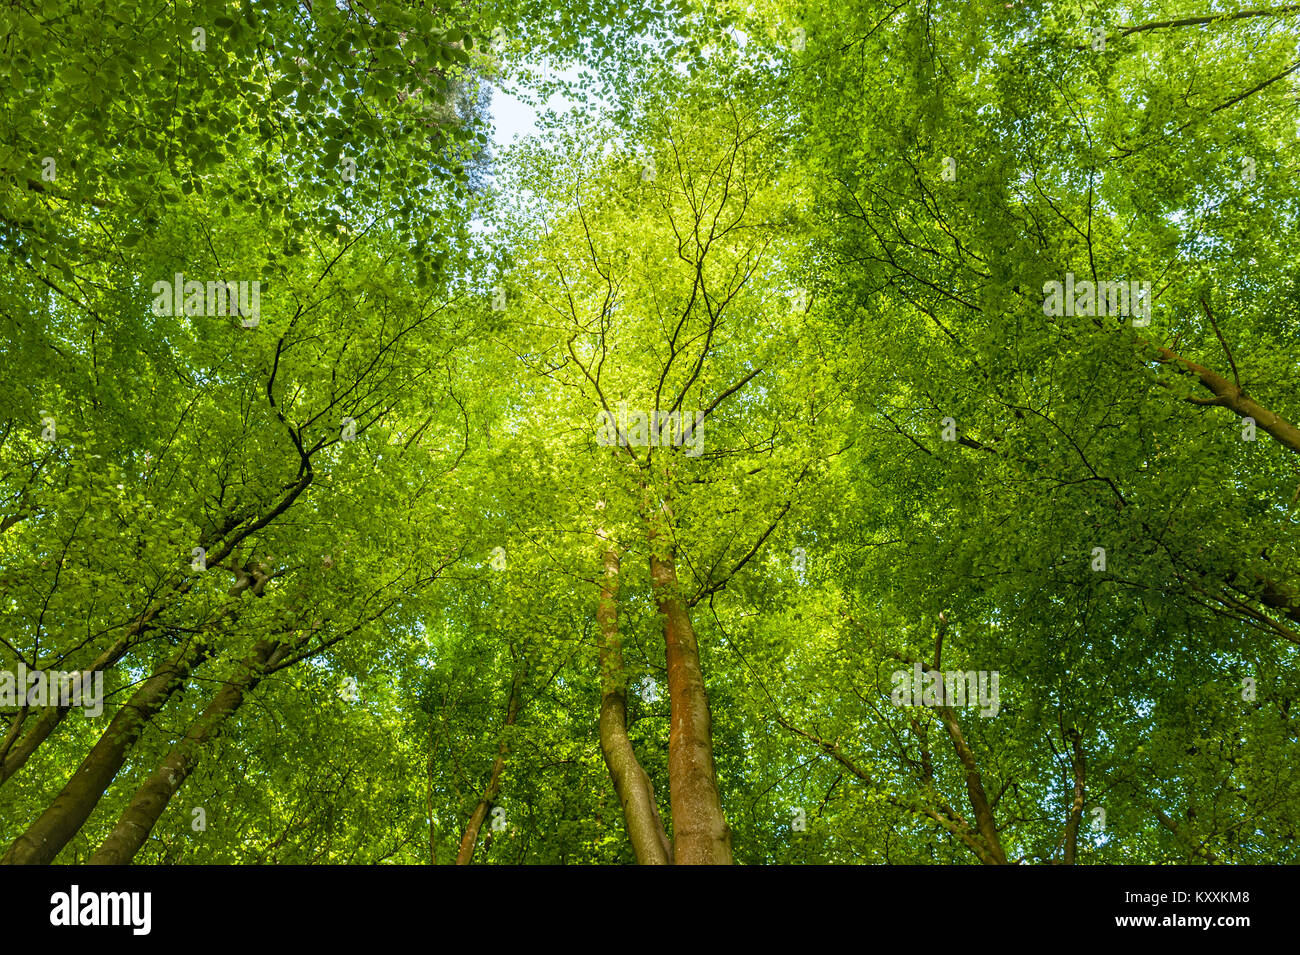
(841, 433)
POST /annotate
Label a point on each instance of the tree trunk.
(18, 749)
(700, 832)
(635, 792)
(979, 801)
(146, 807)
(469, 838)
(1079, 768)
(73, 805)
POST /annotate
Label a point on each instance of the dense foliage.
(607, 497)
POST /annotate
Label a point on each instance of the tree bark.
(645, 827)
(1079, 769)
(979, 801)
(73, 805)
(700, 832)
(146, 807)
(469, 839)
(18, 749)
(1228, 394)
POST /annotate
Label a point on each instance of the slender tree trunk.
(979, 801)
(1079, 768)
(15, 750)
(18, 749)
(700, 832)
(469, 838)
(73, 805)
(146, 807)
(636, 793)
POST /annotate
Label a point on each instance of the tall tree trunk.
(146, 807)
(635, 792)
(700, 832)
(16, 749)
(469, 839)
(1079, 769)
(979, 801)
(73, 805)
